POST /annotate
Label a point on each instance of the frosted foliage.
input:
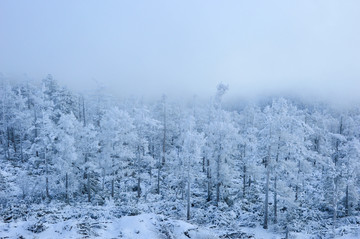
(89, 165)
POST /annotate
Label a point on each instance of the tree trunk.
(158, 178)
(46, 176)
(203, 164)
(112, 187)
(218, 180)
(275, 201)
(334, 203)
(21, 149)
(164, 136)
(12, 134)
(28, 96)
(5, 126)
(47, 186)
(88, 188)
(138, 188)
(208, 175)
(347, 201)
(79, 110)
(103, 179)
(266, 214)
(188, 196)
(244, 181)
(8, 143)
(138, 169)
(266, 206)
(67, 188)
(5, 146)
(113, 178)
(275, 183)
(83, 110)
(35, 125)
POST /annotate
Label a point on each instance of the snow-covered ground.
(142, 226)
(132, 227)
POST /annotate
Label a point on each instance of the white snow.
(142, 226)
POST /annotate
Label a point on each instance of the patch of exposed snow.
(142, 226)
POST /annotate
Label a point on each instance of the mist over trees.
(283, 164)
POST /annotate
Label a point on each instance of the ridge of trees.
(287, 163)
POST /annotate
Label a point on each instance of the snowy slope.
(132, 227)
(143, 226)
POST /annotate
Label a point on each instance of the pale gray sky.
(187, 47)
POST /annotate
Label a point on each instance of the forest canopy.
(281, 163)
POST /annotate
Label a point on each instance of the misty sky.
(187, 47)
